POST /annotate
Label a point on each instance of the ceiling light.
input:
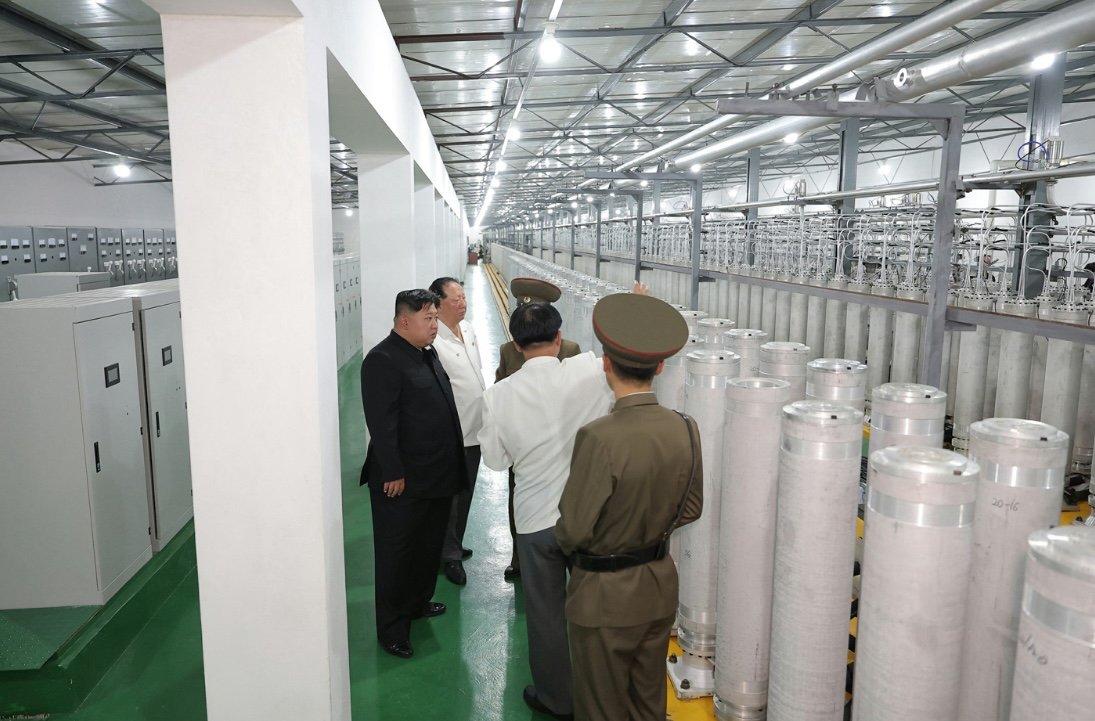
(495, 183)
(790, 138)
(121, 169)
(574, 203)
(793, 186)
(514, 133)
(551, 211)
(884, 168)
(550, 49)
(1043, 61)
(788, 66)
(696, 167)
(733, 193)
(612, 194)
(349, 212)
(500, 165)
(589, 198)
(644, 183)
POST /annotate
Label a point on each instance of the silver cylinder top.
(912, 393)
(827, 367)
(691, 317)
(745, 336)
(693, 343)
(1019, 433)
(712, 363)
(1069, 550)
(784, 352)
(678, 306)
(940, 476)
(823, 414)
(720, 324)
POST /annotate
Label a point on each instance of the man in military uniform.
(510, 360)
(636, 475)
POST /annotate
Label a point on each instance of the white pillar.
(264, 452)
(385, 186)
(425, 237)
(443, 246)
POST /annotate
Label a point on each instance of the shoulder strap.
(691, 477)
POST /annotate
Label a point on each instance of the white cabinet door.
(168, 429)
(107, 367)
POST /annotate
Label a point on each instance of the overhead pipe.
(1053, 33)
(895, 40)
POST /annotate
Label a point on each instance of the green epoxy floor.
(471, 663)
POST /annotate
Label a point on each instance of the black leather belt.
(620, 561)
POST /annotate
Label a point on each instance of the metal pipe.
(895, 40)
(1062, 30)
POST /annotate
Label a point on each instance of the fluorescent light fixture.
(790, 138)
(1043, 61)
(514, 133)
(696, 167)
(349, 212)
(122, 170)
(644, 183)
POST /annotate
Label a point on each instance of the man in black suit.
(414, 466)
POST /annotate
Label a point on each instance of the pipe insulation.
(893, 41)
(1022, 475)
(837, 380)
(746, 343)
(973, 360)
(817, 504)
(917, 535)
(709, 372)
(1055, 660)
(786, 361)
(1058, 31)
(747, 537)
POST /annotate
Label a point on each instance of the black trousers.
(407, 537)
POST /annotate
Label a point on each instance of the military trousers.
(619, 673)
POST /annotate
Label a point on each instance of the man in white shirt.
(459, 355)
(529, 421)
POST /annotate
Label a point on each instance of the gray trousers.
(453, 548)
(544, 583)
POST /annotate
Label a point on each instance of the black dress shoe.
(511, 573)
(402, 649)
(537, 705)
(433, 608)
(466, 553)
(454, 571)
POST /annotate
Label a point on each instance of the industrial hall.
(510, 360)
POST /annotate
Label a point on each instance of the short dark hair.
(412, 301)
(534, 323)
(438, 286)
(629, 373)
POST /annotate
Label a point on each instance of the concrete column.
(385, 186)
(260, 362)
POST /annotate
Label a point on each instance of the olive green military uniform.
(629, 485)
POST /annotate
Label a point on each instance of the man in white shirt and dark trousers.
(459, 354)
(529, 421)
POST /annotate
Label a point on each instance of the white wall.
(349, 226)
(64, 194)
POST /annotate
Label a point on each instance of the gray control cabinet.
(40, 285)
(111, 255)
(155, 254)
(158, 344)
(83, 249)
(133, 246)
(171, 252)
(16, 257)
(74, 511)
(50, 250)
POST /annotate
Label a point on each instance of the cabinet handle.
(157, 424)
(98, 465)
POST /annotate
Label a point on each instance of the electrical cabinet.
(111, 254)
(171, 252)
(83, 249)
(73, 506)
(155, 254)
(16, 257)
(50, 249)
(133, 245)
(40, 285)
(157, 330)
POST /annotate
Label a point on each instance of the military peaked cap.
(638, 331)
(534, 290)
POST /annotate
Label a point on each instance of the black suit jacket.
(413, 425)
